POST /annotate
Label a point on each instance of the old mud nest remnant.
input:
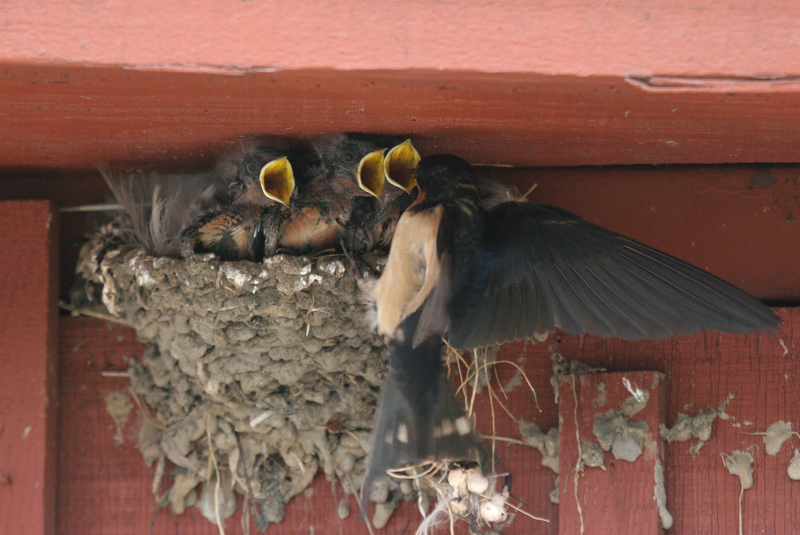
(268, 367)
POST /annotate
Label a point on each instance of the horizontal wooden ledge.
(552, 37)
(69, 117)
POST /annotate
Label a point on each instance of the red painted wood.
(684, 37)
(604, 493)
(28, 367)
(106, 488)
(70, 117)
(738, 222)
(64, 190)
(761, 371)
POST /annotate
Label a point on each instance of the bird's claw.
(361, 270)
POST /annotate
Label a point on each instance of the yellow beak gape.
(399, 165)
(371, 176)
(277, 180)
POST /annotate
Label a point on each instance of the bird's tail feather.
(414, 426)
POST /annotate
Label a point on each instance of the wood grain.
(28, 366)
(617, 498)
(69, 117)
(713, 38)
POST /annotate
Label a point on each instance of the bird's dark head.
(443, 176)
(353, 163)
(240, 169)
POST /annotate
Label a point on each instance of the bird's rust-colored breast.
(308, 230)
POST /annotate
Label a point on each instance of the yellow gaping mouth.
(277, 180)
(370, 173)
(399, 165)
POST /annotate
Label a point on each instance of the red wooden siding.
(28, 367)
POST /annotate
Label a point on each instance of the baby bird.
(159, 207)
(349, 167)
(259, 180)
(234, 211)
(373, 220)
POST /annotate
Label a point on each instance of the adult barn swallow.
(259, 180)
(480, 276)
(373, 221)
(232, 211)
(348, 167)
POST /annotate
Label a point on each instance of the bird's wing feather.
(549, 268)
(159, 206)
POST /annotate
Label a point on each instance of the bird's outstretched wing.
(546, 267)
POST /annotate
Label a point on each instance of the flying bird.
(478, 276)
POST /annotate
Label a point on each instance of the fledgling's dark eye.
(349, 157)
(251, 168)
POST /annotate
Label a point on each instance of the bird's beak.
(277, 180)
(399, 165)
(370, 173)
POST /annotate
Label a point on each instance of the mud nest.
(258, 374)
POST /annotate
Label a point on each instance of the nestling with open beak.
(373, 220)
(349, 167)
(260, 181)
(477, 276)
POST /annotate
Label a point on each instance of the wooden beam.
(523, 119)
(28, 366)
